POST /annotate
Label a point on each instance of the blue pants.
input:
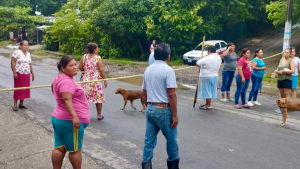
(227, 78)
(241, 90)
(160, 119)
(256, 84)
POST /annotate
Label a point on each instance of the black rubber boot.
(147, 165)
(173, 164)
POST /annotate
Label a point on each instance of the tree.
(277, 12)
(17, 18)
(47, 7)
(72, 33)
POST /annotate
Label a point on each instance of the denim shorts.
(294, 82)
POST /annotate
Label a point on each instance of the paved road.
(220, 138)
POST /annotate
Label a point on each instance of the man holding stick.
(208, 81)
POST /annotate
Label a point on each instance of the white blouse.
(23, 62)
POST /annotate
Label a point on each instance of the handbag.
(81, 77)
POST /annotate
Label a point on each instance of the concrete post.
(288, 25)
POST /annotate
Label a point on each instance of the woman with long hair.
(93, 69)
(242, 78)
(228, 72)
(21, 68)
(284, 71)
(258, 67)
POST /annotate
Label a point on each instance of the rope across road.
(108, 79)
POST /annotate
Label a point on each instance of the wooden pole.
(195, 98)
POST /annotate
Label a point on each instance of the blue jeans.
(256, 84)
(227, 78)
(241, 90)
(160, 119)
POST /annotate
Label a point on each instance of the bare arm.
(67, 99)
(240, 70)
(299, 67)
(254, 66)
(173, 105)
(144, 96)
(13, 67)
(80, 67)
(101, 70)
(225, 54)
(292, 65)
(31, 71)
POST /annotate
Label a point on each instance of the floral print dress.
(94, 91)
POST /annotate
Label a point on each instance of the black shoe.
(147, 165)
(173, 164)
(22, 107)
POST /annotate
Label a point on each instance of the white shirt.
(158, 77)
(23, 62)
(210, 65)
(297, 62)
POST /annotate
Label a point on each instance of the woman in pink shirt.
(70, 116)
(242, 78)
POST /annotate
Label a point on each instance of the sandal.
(15, 109)
(224, 100)
(101, 118)
(231, 99)
(246, 106)
(22, 107)
(205, 108)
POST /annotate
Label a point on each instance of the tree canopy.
(125, 28)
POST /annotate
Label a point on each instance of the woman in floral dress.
(21, 68)
(93, 69)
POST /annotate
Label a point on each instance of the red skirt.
(23, 80)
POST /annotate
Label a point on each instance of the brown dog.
(131, 95)
(287, 106)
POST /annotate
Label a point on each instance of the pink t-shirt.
(246, 67)
(64, 83)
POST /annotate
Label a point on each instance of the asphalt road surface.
(220, 138)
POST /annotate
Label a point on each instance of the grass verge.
(38, 52)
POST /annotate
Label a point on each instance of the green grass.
(177, 62)
(268, 78)
(38, 52)
(4, 43)
(125, 62)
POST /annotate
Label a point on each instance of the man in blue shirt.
(159, 84)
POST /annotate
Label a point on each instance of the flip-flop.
(22, 107)
(205, 108)
(100, 118)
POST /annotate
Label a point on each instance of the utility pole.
(288, 25)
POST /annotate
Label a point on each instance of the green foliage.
(47, 7)
(17, 18)
(38, 52)
(277, 12)
(170, 21)
(71, 33)
(125, 28)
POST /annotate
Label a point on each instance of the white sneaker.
(256, 103)
(250, 104)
